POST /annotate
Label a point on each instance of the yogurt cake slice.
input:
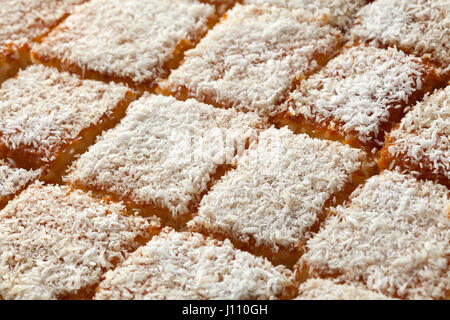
(359, 96)
(252, 58)
(419, 27)
(164, 155)
(278, 193)
(56, 242)
(131, 41)
(325, 289)
(48, 117)
(191, 266)
(393, 237)
(421, 143)
(338, 13)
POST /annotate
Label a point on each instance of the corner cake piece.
(338, 13)
(252, 58)
(420, 27)
(164, 154)
(13, 180)
(324, 289)
(134, 41)
(47, 117)
(277, 195)
(56, 243)
(21, 23)
(191, 266)
(359, 95)
(393, 236)
(421, 143)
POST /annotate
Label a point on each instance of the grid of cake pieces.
(225, 149)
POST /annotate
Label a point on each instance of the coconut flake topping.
(190, 266)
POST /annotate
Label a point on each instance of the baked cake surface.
(293, 149)
(338, 13)
(57, 242)
(21, 23)
(191, 266)
(278, 193)
(13, 180)
(421, 143)
(164, 153)
(221, 5)
(251, 58)
(421, 27)
(360, 94)
(393, 236)
(324, 289)
(46, 115)
(129, 40)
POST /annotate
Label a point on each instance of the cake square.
(47, 117)
(131, 41)
(419, 27)
(421, 142)
(164, 154)
(57, 242)
(393, 237)
(325, 289)
(13, 180)
(183, 265)
(221, 5)
(359, 95)
(278, 193)
(252, 58)
(338, 13)
(21, 23)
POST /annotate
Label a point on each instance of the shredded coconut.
(41, 109)
(126, 38)
(251, 59)
(421, 27)
(359, 90)
(278, 190)
(55, 241)
(164, 152)
(339, 13)
(12, 179)
(22, 21)
(394, 237)
(190, 266)
(322, 289)
(423, 138)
